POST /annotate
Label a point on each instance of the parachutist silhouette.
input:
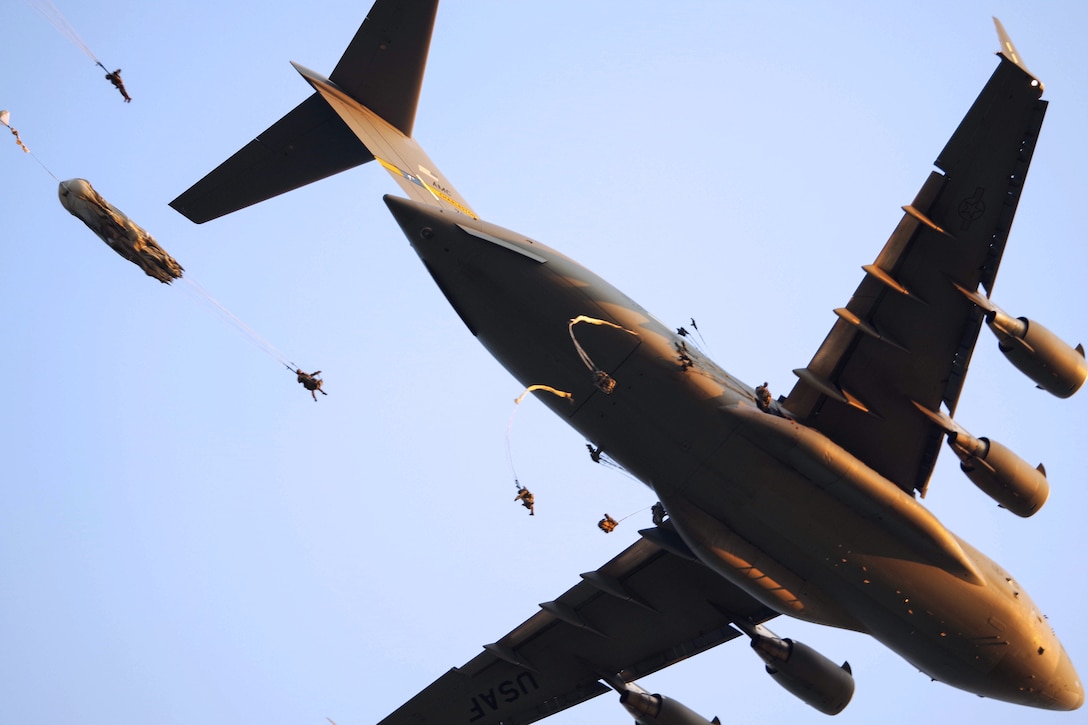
(311, 382)
(115, 79)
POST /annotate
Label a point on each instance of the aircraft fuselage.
(775, 507)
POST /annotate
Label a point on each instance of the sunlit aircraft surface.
(806, 505)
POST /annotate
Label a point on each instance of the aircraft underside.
(776, 508)
(804, 506)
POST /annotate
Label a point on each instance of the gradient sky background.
(185, 537)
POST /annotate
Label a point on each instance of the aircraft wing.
(905, 338)
(649, 607)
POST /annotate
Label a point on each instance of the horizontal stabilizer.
(309, 143)
(381, 70)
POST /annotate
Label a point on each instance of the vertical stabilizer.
(399, 154)
(1008, 50)
(378, 79)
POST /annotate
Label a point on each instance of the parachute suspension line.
(647, 508)
(509, 456)
(40, 163)
(604, 382)
(255, 338)
(5, 119)
(600, 456)
(50, 12)
(510, 421)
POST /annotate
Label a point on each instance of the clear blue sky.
(185, 537)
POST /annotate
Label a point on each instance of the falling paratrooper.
(50, 12)
(310, 381)
(122, 234)
(115, 79)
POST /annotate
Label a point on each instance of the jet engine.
(1039, 353)
(650, 709)
(805, 672)
(1001, 474)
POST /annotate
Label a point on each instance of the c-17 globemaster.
(804, 506)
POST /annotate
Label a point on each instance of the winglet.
(1008, 50)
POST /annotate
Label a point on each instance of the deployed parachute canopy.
(122, 234)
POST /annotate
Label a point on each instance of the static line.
(592, 321)
(510, 422)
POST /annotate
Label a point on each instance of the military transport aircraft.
(807, 505)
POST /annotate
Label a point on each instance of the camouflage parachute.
(118, 231)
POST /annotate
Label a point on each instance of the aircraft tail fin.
(1008, 50)
(397, 152)
(364, 110)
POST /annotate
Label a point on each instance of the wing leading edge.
(649, 607)
(905, 338)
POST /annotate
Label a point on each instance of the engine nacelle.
(1001, 474)
(1039, 353)
(806, 673)
(650, 709)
